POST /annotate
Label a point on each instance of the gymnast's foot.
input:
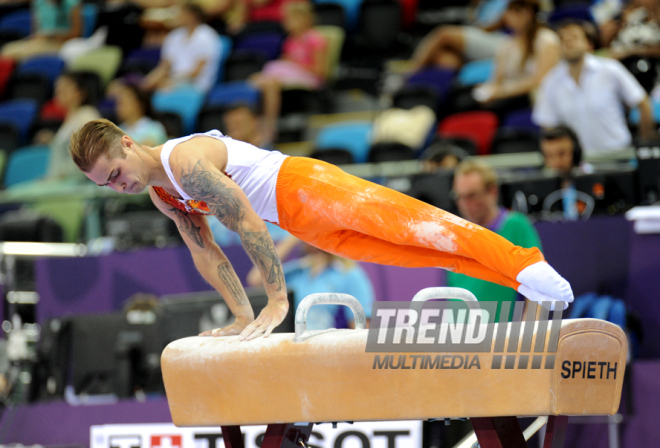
(541, 278)
(543, 299)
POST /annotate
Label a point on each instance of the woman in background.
(133, 108)
(75, 96)
(303, 62)
(54, 22)
(523, 60)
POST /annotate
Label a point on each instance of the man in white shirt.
(588, 93)
(190, 54)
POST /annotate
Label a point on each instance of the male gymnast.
(243, 186)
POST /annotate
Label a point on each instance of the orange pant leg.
(363, 221)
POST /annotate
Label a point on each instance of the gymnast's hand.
(230, 330)
(269, 318)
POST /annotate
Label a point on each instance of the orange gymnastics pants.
(356, 219)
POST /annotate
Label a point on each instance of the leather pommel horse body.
(327, 376)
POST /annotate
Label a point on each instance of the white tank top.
(253, 169)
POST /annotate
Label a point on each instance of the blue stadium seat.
(20, 113)
(270, 44)
(27, 164)
(19, 22)
(520, 119)
(50, 66)
(226, 46)
(231, 93)
(476, 72)
(354, 136)
(89, 13)
(184, 101)
(352, 9)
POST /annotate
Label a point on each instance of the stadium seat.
(211, 117)
(410, 96)
(335, 37)
(520, 119)
(332, 14)
(226, 46)
(19, 22)
(478, 125)
(26, 164)
(467, 144)
(336, 156)
(172, 122)
(29, 86)
(351, 8)
(103, 61)
(231, 93)
(185, 101)
(6, 69)
(90, 12)
(511, 141)
(353, 136)
(574, 11)
(20, 113)
(476, 72)
(390, 152)
(9, 137)
(270, 44)
(141, 60)
(379, 27)
(441, 79)
(409, 12)
(241, 64)
(49, 66)
(7, 36)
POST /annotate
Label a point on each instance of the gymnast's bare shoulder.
(199, 153)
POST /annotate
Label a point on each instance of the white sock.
(541, 277)
(539, 297)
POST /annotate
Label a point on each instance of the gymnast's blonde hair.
(93, 140)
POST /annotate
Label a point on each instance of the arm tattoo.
(187, 226)
(227, 275)
(207, 186)
(259, 247)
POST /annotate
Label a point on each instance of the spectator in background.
(54, 22)
(242, 122)
(319, 271)
(588, 93)
(476, 194)
(452, 46)
(562, 152)
(522, 61)
(133, 108)
(190, 54)
(562, 155)
(303, 62)
(442, 156)
(75, 96)
(635, 32)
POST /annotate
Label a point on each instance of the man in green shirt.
(476, 194)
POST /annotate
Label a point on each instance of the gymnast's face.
(125, 173)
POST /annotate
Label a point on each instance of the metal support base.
(277, 436)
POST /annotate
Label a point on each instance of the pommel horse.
(291, 381)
